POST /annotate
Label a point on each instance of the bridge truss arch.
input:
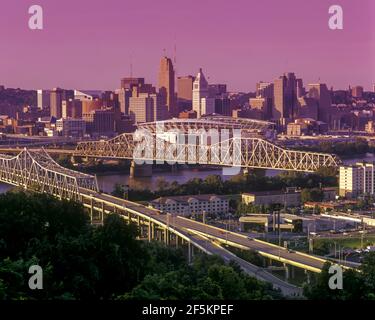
(36, 170)
(235, 151)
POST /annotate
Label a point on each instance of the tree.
(314, 195)
(119, 190)
(357, 284)
(82, 262)
(162, 184)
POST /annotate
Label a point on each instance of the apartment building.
(192, 204)
(357, 179)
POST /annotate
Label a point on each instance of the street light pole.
(226, 234)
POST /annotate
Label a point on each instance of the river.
(108, 181)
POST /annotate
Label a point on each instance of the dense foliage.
(255, 181)
(107, 262)
(357, 285)
(314, 195)
(343, 149)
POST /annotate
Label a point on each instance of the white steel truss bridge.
(37, 171)
(243, 151)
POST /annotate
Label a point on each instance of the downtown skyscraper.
(166, 85)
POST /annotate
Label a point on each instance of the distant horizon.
(238, 43)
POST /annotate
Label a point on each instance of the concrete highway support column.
(91, 208)
(286, 267)
(149, 231)
(140, 170)
(308, 276)
(152, 231)
(103, 212)
(166, 236)
(190, 252)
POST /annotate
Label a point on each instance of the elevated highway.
(37, 171)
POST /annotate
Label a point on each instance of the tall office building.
(100, 122)
(202, 104)
(280, 109)
(185, 88)
(291, 95)
(147, 106)
(261, 105)
(129, 82)
(307, 108)
(56, 103)
(264, 99)
(123, 98)
(166, 85)
(373, 88)
(321, 94)
(72, 108)
(222, 105)
(57, 96)
(44, 99)
(300, 89)
(126, 91)
(215, 90)
(285, 98)
(264, 89)
(185, 93)
(357, 91)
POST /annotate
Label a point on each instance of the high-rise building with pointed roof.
(202, 104)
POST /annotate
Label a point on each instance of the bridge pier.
(286, 267)
(190, 253)
(102, 215)
(140, 170)
(308, 276)
(152, 231)
(292, 271)
(166, 236)
(91, 209)
(149, 230)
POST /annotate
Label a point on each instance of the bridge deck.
(275, 252)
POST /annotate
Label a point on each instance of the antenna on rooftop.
(131, 66)
(175, 56)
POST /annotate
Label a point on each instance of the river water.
(108, 181)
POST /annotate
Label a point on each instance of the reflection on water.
(107, 182)
(5, 187)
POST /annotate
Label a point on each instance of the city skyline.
(239, 48)
(251, 89)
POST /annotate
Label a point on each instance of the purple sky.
(88, 44)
